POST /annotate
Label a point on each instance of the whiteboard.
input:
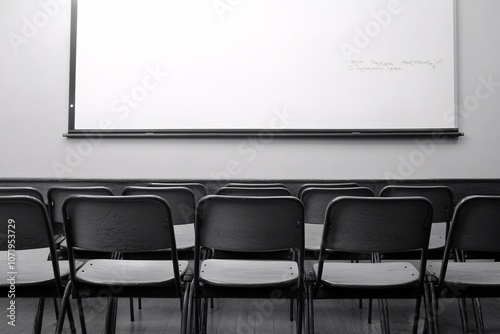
(223, 65)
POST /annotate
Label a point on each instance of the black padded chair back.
(249, 224)
(377, 225)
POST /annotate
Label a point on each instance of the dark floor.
(231, 316)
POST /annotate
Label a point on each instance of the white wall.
(34, 76)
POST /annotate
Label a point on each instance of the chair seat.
(313, 234)
(438, 236)
(368, 275)
(184, 236)
(243, 273)
(469, 273)
(129, 272)
(31, 272)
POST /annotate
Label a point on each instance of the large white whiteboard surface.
(264, 64)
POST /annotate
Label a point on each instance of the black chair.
(475, 227)
(372, 225)
(116, 224)
(56, 196)
(31, 255)
(247, 224)
(441, 198)
(316, 202)
(181, 202)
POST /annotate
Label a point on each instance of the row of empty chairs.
(233, 221)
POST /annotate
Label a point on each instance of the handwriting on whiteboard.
(373, 65)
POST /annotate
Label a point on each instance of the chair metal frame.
(372, 225)
(474, 227)
(55, 198)
(441, 198)
(115, 224)
(27, 218)
(241, 224)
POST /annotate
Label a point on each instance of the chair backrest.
(325, 185)
(57, 195)
(247, 191)
(475, 225)
(26, 191)
(198, 189)
(441, 198)
(249, 224)
(377, 225)
(180, 200)
(316, 200)
(26, 218)
(255, 185)
(118, 224)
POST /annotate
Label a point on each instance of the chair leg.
(196, 320)
(111, 316)
(430, 312)
(416, 313)
(310, 309)
(463, 314)
(71, 319)
(185, 308)
(56, 308)
(478, 315)
(384, 315)
(300, 312)
(139, 303)
(81, 315)
(370, 310)
(291, 309)
(204, 316)
(64, 305)
(37, 326)
(132, 318)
